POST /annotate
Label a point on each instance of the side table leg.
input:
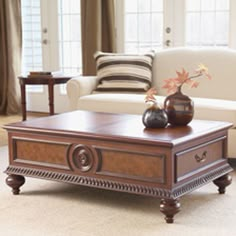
(223, 182)
(51, 97)
(169, 207)
(15, 182)
(23, 99)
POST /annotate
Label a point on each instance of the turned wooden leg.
(15, 182)
(169, 207)
(223, 182)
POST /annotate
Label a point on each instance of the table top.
(117, 127)
(43, 79)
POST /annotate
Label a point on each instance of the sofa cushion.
(208, 109)
(115, 103)
(215, 109)
(124, 72)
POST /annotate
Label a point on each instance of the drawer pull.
(202, 158)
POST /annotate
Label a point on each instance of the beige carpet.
(5, 120)
(46, 208)
(11, 119)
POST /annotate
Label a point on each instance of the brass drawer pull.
(202, 158)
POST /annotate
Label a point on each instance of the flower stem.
(195, 76)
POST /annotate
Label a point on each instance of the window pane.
(208, 5)
(31, 37)
(207, 22)
(131, 47)
(157, 5)
(157, 30)
(193, 28)
(222, 5)
(193, 5)
(207, 29)
(222, 29)
(143, 25)
(69, 37)
(131, 6)
(144, 5)
(131, 28)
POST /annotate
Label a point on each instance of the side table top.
(42, 79)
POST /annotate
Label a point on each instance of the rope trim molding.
(119, 186)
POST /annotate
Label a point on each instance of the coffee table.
(116, 152)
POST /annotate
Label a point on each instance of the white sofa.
(213, 99)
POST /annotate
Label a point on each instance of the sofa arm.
(78, 87)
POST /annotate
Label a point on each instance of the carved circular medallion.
(82, 158)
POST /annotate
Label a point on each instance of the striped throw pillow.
(124, 72)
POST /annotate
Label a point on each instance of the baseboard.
(37, 113)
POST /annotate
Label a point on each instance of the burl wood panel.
(39, 151)
(198, 157)
(132, 165)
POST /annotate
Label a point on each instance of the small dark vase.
(179, 108)
(154, 117)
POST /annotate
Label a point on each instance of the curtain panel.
(98, 31)
(10, 55)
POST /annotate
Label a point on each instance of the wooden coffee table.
(116, 152)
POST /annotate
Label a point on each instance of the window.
(168, 23)
(32, 49)
(143, 25)
(69, 36)
(207, 23)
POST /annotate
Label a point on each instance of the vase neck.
(178, 90)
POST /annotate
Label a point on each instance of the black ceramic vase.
(154, 117)
(179, 108)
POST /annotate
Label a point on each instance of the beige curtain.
(10, 55)
(98, 31)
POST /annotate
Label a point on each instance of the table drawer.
(198, 157)
(132, 165)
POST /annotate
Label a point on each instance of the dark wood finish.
(223, 182)
(116, 152)
(192, 159)
(40, 80)
(169, 207)
(15, 182)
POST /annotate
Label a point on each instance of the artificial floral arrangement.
(150, 96)
(172, 84)
(154, 116)
(177, 115)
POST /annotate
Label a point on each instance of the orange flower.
(204, 70)
(150, 95)
(171, 84)
(182, 76)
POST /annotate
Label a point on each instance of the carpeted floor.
(11, 119)
(49, 208)
(5, 120)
